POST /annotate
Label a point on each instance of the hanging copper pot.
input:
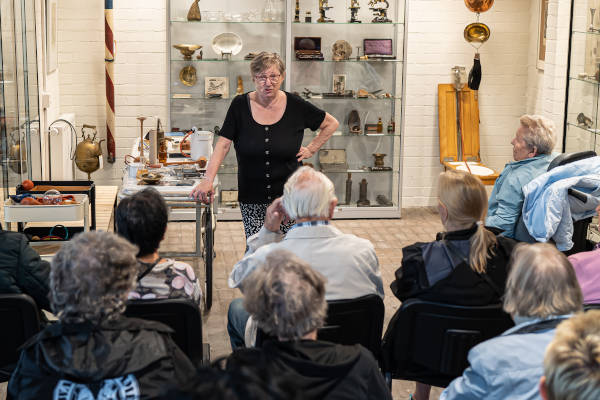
(477, 32)
(479, 6)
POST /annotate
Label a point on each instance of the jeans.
(237, 317)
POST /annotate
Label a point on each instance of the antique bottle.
(349, 188)
(379, 126)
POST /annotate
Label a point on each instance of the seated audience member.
(532, 147)
(348, 262)
(93, 351)
(587, 268)
(541, 291)
(467, 264)
(142, 219)
(287, 299)
(572, 361)
(22, 270)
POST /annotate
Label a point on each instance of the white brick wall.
(511, 84)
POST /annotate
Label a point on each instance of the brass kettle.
(88, 152)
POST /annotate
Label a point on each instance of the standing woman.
(266, 127)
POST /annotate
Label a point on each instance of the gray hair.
(541, 283)
(572, 361)
(308, 194)
(286, 296)
(541, 133)
(264, 60)
(91, 277)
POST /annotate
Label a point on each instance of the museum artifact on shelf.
(308, 48)
(216, 87)
(323, 8)
(188, 76)
(187, 50)
(341, 50)
(194, 12)
(354, 123)
(308, 17)
(349, 188)
(229, 198)
(379, 9)
(227, 44)
(363, 201)
(240, 86)
(88, 152)
(378, 49)
(583, 120)
(379, 165)
(297, 12)
(354, 7)
(333, 160)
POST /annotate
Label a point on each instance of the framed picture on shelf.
(216, 86)
(339, 83)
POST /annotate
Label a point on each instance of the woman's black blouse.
(266, 154)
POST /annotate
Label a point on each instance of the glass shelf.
(597, 33)
(392, 60)
(350, 98)
(348, 23)
(210, 60)
(232, 170)
(590, 130)
(586, 80)
(203, 98)
(347, 134)
(185, 21)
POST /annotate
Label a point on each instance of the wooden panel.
(447, 122)
(469, 124)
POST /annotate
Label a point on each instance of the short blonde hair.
(541, 283)
(286, 297)
(465, 198)
(572, 361)
(308, 194)
(541, 133)
(264, 60)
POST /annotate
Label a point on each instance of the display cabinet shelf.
(189, 105)
(585, 80)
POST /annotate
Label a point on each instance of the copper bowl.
(479, 6)
(187, 50)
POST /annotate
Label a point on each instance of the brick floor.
(388, 237)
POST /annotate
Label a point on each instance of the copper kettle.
(88, 153)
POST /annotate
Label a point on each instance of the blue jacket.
(548, 212)
(506, 200)
(506, 367)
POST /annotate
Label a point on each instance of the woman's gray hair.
(308, 194)
(541, 283)
(541, 133)
(286, 296)
(91, 277)
(265, 60)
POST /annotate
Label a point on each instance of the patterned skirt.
(253, 217)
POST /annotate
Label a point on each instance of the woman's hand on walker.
(204, 191)
(304, 153)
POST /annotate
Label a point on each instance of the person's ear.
(543, 388)
(443, 212)
(534, 151)
(332, 207)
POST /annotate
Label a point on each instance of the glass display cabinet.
(583, 84)
(353, 70)
(20, 145)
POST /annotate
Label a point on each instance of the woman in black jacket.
(22, 270)
(467, 264)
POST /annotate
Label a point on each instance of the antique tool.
(383, 200)
(194, 12)
(88, 153)
(141, 145)
(379, 9)
(308, 48)
(323, 8)
(362, 195)
(354, 7)
(187, 50)
(349, 188)
(354, 123)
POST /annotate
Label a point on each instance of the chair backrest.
(21, 316)
(566, 158)
(437, 337)
(182, 315)
(351, 321)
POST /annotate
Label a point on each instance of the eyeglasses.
(263, 78)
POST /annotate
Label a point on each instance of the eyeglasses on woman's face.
(262, 79)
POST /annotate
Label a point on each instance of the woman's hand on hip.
(204, 191)
(304, 153)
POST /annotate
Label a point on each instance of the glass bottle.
(379, 126)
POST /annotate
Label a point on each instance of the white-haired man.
(348, 262)
(532, 148)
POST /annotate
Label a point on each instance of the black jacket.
(429, 272)
(79, 360)
(324, 370)
(22, 270)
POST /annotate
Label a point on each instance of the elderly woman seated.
(532, 147)
(466, 264)
(142, 219)
(287, 299)
(93, 351)
(541, 291)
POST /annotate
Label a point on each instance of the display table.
(178, 199)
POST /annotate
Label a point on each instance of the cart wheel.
(207, 254)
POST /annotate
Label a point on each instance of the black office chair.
(580, 228)
(591, 306)
(350, 322)
(181, 315)
(22, 320)
(428, 342)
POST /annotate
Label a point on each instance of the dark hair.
(247, 374)
(142, 219)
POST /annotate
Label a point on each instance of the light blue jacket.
(506, 367)
(548, 211)
(506, 200)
